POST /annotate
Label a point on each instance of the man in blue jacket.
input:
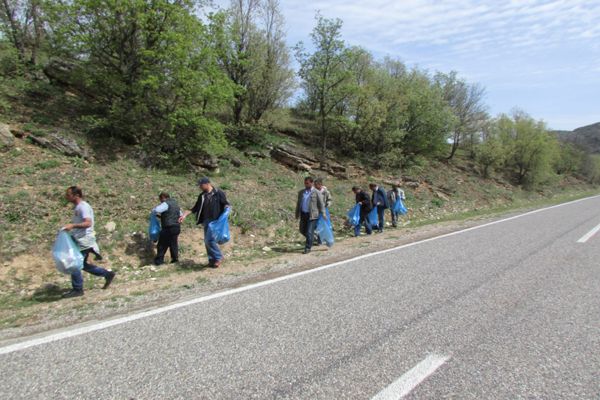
(379, 200)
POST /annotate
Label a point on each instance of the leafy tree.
(272, 81)
(325, 73)
(590, 168)
(252, 51)
(570, 159)
(531, 150)
(381, 114)
(466, 102)
(428, 118)
(23, 23)
(151, 70)
(490, 153)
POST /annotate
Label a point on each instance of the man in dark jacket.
(210, 205)
(379, 200)
(309, 206)
(169, 213)
(365, 208)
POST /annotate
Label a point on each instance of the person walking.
(169, 212)
(392, 195)
(211, 203)
(365, 208)
(81, 229)
(309, 206)
(327, 199)
(379, 200)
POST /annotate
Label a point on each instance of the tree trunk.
(323, 138)
(38, 31)
(455, 144)
(453, 151)
(16, 37)
(237, 110)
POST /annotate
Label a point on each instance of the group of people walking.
(313, 202)
(211, 203)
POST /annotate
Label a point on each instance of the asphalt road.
(511, 310)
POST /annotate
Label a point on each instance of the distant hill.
(586, 137)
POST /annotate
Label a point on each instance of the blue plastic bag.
(154, 228)
(66, 254)
(354, 215)
(373, 217)
(328, 219)
(324, 231)
(219, 228)
(399, 207)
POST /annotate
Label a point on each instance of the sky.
(541, 56)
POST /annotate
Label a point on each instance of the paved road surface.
(507, 311)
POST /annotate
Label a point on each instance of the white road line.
(589, 235)
(70, 332)
(410, 380)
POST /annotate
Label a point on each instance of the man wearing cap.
(210, 205)
(309, 206)
(169, 212)
(365, 208)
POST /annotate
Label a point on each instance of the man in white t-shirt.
(82, 230)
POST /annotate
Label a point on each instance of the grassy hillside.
(261, 190)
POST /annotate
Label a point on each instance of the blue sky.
(540, 56)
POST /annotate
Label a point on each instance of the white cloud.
(518, 44)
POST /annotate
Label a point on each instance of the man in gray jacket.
(327, 199)
(393, 195)
(309, 206)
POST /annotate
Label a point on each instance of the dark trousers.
(380, 215)
(364, 219)
(394, 217)
(307, 229)
(167, 240)
(77, 277)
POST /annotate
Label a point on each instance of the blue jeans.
(307, 229)
(363, 220)
(212, 247)
(380, 214)
(77, 277)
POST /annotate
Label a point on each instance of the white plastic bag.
(66, 254)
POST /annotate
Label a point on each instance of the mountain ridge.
(587, 137)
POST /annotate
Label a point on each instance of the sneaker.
(174, 261)
(109, 278)
(72, 293)
(306, 251)
(217, 264)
